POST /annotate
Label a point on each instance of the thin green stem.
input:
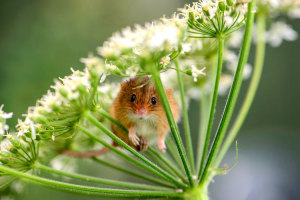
(133, 173)
(203, 105)
(167, 163)
(154, 168)
(258, 68)
(98, 180)
(107, 115)
(234, 91)
(213, 104)
(187, 129)
(171, 120)
(159, 163)
(80, 188)
(174, 153)
(122, 154)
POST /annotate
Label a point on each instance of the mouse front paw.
(133, 137)
(143, 144)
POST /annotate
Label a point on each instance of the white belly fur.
(146, 129)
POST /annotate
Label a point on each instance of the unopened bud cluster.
(214, 18)
(18, 152)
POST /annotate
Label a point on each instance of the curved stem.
(172, 149)
(173, 126)
(234, 91)
(187, 129)
(80, 188)
(133, 173)
(98, 180)
(150, 166)
(167, 163)
(110, 118)
(122, 154)
(203, 110)
(213, 104)
(258, 68)
(204, 105)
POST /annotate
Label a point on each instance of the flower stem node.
(197, 193)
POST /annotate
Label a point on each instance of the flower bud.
(205, 10)
(24, 138)
(188, 72)
(37, 138)
(191, 16)
(81, 88)
(229, 2)
(13, 150)
(14, 142)
(63, 92)
(222, 6)
(200, 20)
(27, 134)
(55, 107)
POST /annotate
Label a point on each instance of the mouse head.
(140, 96)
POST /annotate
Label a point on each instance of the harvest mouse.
(139, 109)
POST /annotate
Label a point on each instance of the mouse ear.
(169, 91)
(124, 84)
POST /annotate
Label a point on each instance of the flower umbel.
(214, 19)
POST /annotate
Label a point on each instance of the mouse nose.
(142, 112)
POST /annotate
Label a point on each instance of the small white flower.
(196, 72)
(110, 67)
(26, 127)
(5, 115)
(165, 61)
(186, 47)
(132, 71)
(5, 145)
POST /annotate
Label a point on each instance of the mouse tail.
(86, 154)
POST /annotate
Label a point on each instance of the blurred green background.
(40, 40)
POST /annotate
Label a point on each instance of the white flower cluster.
(69, 96)
(278, 32)
(291, 7)
(214, 18)
(3, 117)
(66, 90)
(159, 36)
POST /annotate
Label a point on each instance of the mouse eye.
(153, 100)
(133, 97)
